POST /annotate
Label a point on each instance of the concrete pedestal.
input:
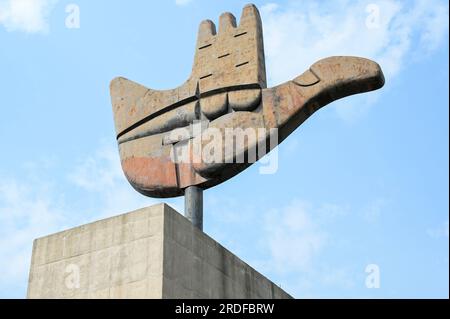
(153, 252)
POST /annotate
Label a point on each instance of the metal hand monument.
(163, 135)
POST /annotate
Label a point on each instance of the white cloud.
(27, 211)
(25, 15)
(97, 172)
(36, 205)
(373, 211)
(299, 34)
(439, 232)
(182, 2)
(101, 176)
(294, 237)
(298, 236)
(338, 277)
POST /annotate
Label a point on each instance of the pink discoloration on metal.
(147, 174)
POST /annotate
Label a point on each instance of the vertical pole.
(193, 205)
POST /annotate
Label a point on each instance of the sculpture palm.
(226, 89)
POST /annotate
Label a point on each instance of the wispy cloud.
(294, 237)
(298, 236)
(373, 211)
(440, 231)
(298, 245)
(393, 33)
(182, 2)
(37, 205)
(27, 210)
(100, 175)
(26, 15)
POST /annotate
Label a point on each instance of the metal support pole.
(193, 205)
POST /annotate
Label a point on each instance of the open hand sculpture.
(226, 90)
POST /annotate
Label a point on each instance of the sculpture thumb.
(288, 105)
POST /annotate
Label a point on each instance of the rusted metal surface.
(227, 89)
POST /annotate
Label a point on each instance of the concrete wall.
(153, 252)
(118, 257)
(196, 266)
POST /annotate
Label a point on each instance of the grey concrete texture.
(153, 252)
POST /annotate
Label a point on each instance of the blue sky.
(364, 181)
